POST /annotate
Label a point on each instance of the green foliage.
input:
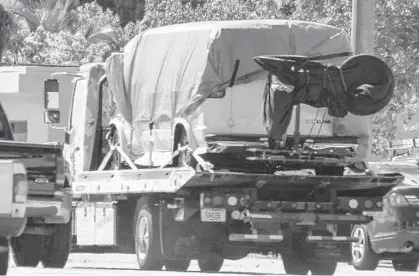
(52, 15)
(161, 13)
(91, 35)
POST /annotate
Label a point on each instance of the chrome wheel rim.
(143, 238)
(358, 248)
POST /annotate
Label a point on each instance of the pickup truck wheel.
(27, 249)
(212, 263)
(363, 257)
(327, 267)
(57, 247)
(177, 265)
(401, 265)
(147, 241)
(4, 255)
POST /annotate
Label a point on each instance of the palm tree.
(6, 27)
(54, 16)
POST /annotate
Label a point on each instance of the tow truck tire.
(147, 240)
(324, 267)
(294, 264)
(177, 265)
(27, 249)
(57, 247)
(402, 265)
(363, 257)
(212, 263)
(4, 256)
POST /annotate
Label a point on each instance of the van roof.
(230, 24)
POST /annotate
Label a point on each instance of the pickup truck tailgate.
(40, 161)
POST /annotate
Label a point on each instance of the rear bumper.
(50, 211)
(11, 227)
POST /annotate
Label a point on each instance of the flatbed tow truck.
(292, 199)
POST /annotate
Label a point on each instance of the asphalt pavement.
(120, 264)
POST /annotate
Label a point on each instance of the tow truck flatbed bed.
(170, 180)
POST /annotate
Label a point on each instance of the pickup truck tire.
(57, 247)
(405, 265)
(4, 256)
(177, 265)
(24, 249)
(147, 240)
(363, 257)
(211, 263)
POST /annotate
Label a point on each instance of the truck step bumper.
(12, 227)
(256, 238)
(335, 239)
(280, 238)
(42, 208)
(306, 218)
(50, 211)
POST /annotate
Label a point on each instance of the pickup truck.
(46, 237)
(13, 196)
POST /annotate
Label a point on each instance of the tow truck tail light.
(373, 204)
(225, 200)
(20, 184)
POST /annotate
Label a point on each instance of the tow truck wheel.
(402, 265)
(212, 263)
(57, 247)
(4, 255)
(294, 264)
(177, 265)
(363, 257)
(147, 241)
(27, 249)
(324, 267)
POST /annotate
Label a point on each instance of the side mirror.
(52, 116)
(51, 94)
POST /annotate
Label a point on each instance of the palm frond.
(53, 15)
(23, 9)
(101, 34)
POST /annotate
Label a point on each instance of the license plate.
(213, 215)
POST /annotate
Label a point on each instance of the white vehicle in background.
(13, 200)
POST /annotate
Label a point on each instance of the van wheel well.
(181, 138)
(178, 132)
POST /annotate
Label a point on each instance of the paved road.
(117, 264)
